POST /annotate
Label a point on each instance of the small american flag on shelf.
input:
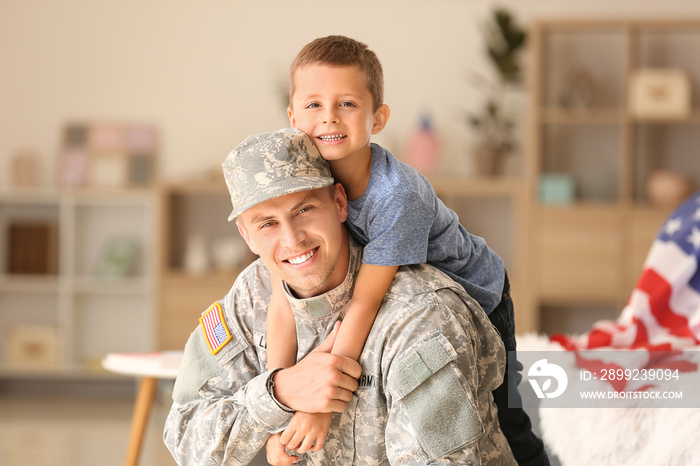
(422, 150)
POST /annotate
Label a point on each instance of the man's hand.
(276, 454)
(307, 432)
(321, 382)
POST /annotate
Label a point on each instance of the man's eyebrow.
(305, 200)
(261, 218)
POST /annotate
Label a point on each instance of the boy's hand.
(307, 432)
(276, 454)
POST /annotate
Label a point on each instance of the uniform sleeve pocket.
(197, 367)
(427, 386)
(200, 368)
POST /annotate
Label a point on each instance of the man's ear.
(246, 237)
(381, 117)
(341, 199)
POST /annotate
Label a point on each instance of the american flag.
(663, 312)
(422, 149)
(215, 331)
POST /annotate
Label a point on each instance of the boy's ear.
(246, 237)
(381, 117)
(292, 120)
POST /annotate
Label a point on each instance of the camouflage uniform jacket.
(429, 365)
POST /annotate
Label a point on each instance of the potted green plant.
(494, 128)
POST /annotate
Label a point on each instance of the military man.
(420, 392)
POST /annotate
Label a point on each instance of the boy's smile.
(334, 107)
(330, 138)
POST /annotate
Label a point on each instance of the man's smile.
(298, 260)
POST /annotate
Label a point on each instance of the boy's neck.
(353, 173)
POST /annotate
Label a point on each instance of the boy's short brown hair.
(342, 51)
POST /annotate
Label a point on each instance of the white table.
(149, 367)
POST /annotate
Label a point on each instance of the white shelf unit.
(92, 314)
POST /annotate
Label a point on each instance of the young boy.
(336, 98)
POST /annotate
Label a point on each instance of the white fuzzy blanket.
(618, 436)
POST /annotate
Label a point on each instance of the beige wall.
(208, 71)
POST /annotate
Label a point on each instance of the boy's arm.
(372, 283)
(280, 334)
(308, 431)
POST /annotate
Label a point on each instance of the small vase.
(667, 189)
(196, 260)
(487, 159)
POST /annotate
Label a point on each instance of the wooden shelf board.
(591, 116)
(581, 205)
(29, 283)
(692, 119)
(108, 285)
(478, 186)
(609, 116)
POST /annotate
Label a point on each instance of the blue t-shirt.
(401, 221)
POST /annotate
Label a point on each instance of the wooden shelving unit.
(197, 208)
(590, 252)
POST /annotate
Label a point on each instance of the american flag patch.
(214, 326)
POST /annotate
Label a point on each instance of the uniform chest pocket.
(427, 385)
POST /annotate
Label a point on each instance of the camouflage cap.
(270, 165)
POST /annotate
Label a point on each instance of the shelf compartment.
(669, 147)
(578, 252)
(110, 323)
(24, 311)
(29, 236)
(201, 216)
(587, 155)
(672, 48)
(100, 226)
(583, 68)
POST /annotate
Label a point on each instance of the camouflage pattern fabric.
(273, 164)
(429, 365)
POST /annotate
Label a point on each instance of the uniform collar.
(334, 300)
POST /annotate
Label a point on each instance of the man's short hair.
(342, 51)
